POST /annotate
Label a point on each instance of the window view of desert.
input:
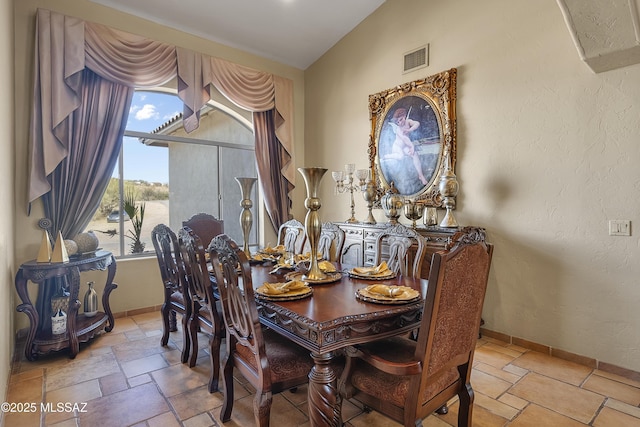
(106, 224)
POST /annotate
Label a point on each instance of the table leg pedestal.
(324, 400)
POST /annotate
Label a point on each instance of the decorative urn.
(392, 203)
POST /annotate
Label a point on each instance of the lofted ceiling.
(605, 32)
(293, 32)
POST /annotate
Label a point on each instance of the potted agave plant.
(136, 213)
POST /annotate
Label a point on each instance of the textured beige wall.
(547, 152)
(7, 236)
(138, 280)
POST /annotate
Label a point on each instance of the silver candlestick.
(344, 183)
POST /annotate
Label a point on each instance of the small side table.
(80, 328)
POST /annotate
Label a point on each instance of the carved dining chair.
(330, 243)
(292, 235)
(270, 362)
(406, 379)
(204, 312)
(176, 296)
(206, 226)
(403, 249)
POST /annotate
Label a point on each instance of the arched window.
(172, 175)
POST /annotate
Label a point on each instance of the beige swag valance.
(65, 46)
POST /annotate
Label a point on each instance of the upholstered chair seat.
(390, 387)
(285, 361)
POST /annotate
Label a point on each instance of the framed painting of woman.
(412, 130)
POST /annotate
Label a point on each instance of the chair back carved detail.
(292, 235)
(406, 250)
(206, 226)
(270, 362)
(330, 242)
(176, 296)
(204, 313)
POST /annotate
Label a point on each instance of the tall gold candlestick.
(312, 223)
(246, 219)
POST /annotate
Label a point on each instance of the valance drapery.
(65, 46)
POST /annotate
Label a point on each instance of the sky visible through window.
(148, 111)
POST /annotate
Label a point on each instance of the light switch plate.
(619, 227)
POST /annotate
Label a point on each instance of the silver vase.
(246, 219)
(391, 203)
(370, 195)
(90, 303)
(413, 211)
(312, 223)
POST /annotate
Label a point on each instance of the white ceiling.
(293, 32)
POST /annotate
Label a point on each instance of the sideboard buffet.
(360, 242)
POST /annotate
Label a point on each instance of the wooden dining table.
(330, 319)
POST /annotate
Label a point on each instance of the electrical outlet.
(619, 227)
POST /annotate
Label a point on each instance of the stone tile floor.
(126, 378)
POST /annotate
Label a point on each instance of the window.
(170, 175)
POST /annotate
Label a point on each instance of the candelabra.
(344, 183)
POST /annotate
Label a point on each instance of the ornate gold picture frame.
(413, 129)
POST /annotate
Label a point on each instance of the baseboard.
(137, 311)
(565, 355)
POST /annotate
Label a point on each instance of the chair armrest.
(413, 367)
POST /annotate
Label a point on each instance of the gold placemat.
(277, 250)
(378, 272)
(386, 276)
(284, 291)
(386, 294)
(330, 277)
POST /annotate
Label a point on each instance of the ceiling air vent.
(417, 58)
